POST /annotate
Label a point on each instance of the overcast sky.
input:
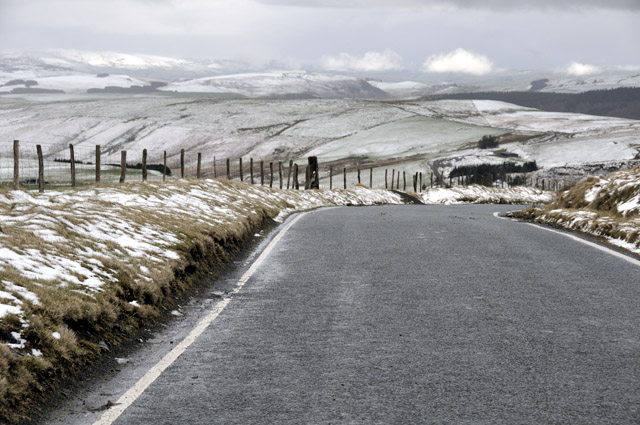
(429, 36)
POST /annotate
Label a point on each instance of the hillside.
(618, 102)
(411, 136)
(281, 85)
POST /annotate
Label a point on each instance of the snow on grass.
(607, 207)
(485, 195)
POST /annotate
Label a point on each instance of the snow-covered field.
(351, 132)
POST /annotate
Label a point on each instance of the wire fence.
(56, 167)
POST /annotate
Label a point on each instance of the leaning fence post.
(123, 166)
(330, 178)
(241, 174)
(251, 170)
(72, 158)
(280, 173)
(289, 172)
(97, 164)
(40, 169)
(16, 164)
(271, 174)
(144, 165)
(199, 165)
(181, 163)
(164, 167)
(261, 173)
(228, 169)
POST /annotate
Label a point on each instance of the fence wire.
(276, 173)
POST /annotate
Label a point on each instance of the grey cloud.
(464, 4)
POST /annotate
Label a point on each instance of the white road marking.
(497, 215)
(586, 242)
(127, 399)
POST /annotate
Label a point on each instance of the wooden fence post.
(72, 158)
(345, 177)
(313, 175)
(393, 177)
(271, 174)
(199, 165)
(330, 178)
(16, 165)
(97, 165)
(164, 166)
(261, 173)
(123, 166)
(386, 173)
(40, 169)
(415, 182)
(371, 178)
(228, 169)
(296, 182)
(182, 163)
(251, 170)
(280, 173)
(241, 173)
(215, 171)
(404, 178)
(432, 180)
(421, 182)
(358, 175)
(144, 165)
(289, 172)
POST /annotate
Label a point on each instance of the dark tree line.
(488, 173)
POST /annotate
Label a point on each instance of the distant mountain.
(235, 78)
(60, 61)
(292, 85)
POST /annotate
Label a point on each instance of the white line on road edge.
(575, 238)
(127, 399)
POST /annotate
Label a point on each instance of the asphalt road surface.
(415, 314)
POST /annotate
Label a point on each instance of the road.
(414, 314)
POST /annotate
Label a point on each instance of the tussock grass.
(607, 207)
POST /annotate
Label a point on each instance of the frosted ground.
(404, 135)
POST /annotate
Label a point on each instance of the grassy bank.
(82, 270)
(606, 207)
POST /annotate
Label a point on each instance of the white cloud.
(370, 61)
(459, 60)
(580, 69)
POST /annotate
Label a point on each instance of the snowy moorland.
(606, 207)
(404, 135)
